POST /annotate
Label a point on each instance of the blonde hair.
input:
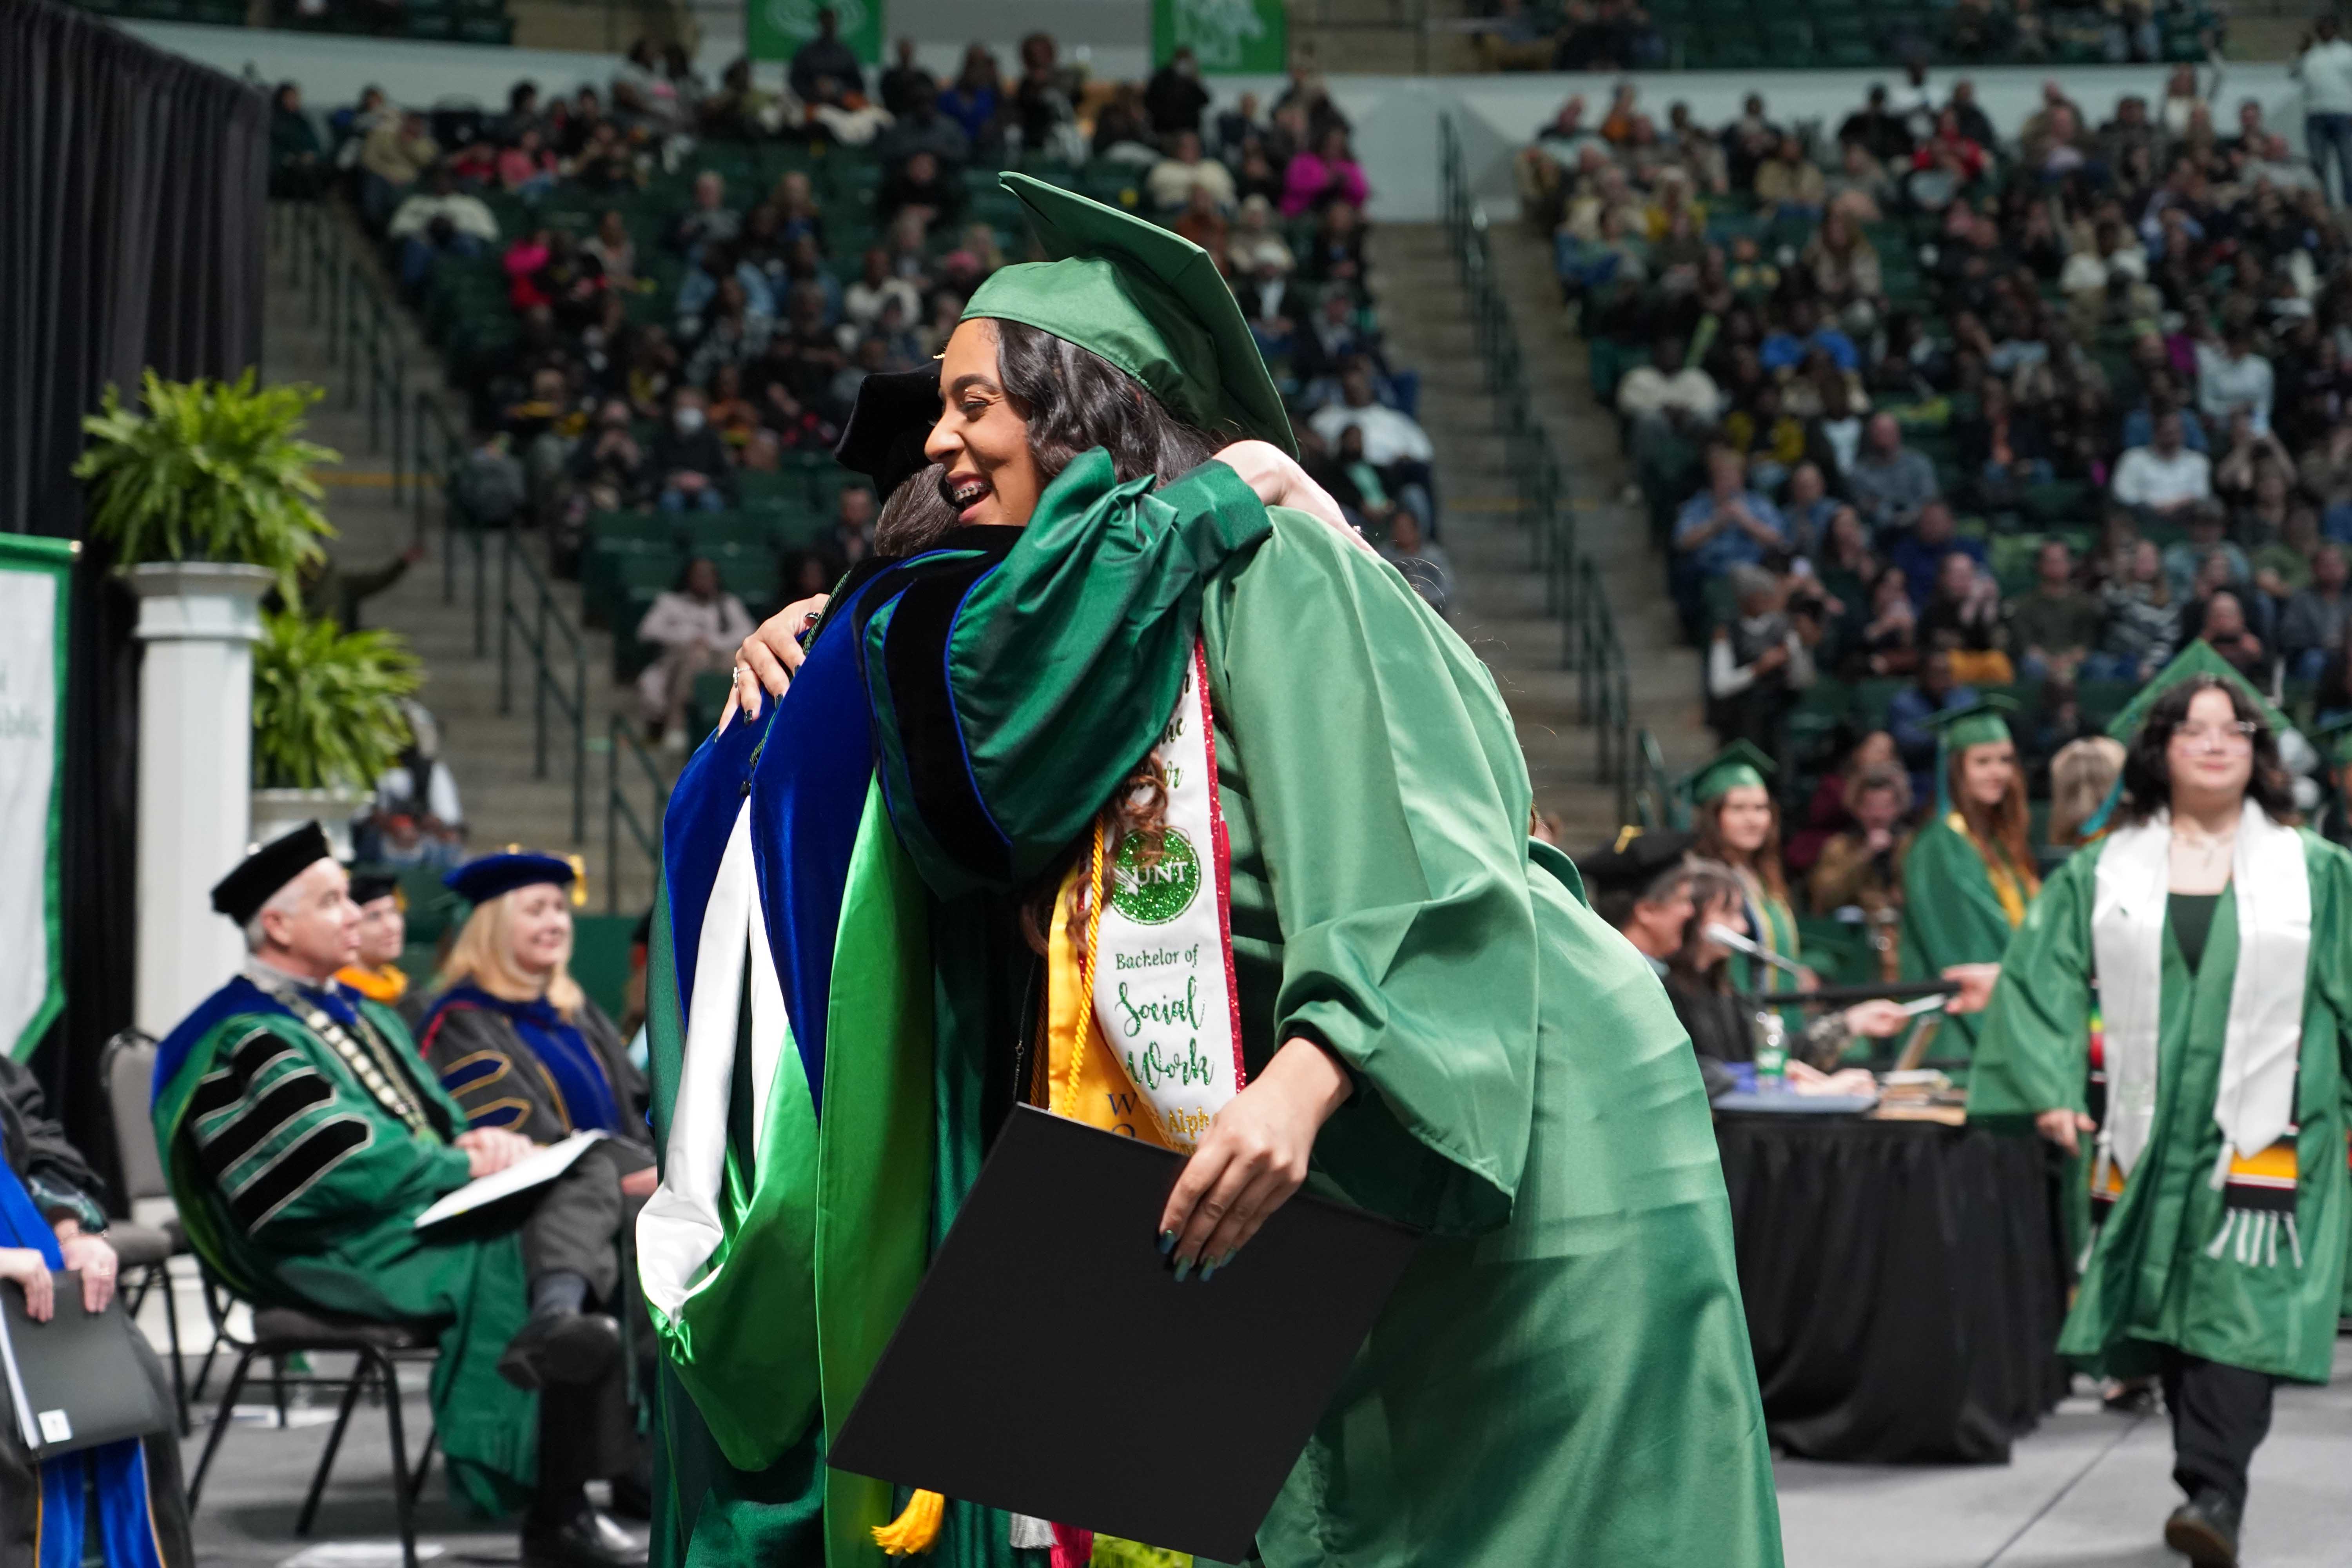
(484, 953)
(2081, 774)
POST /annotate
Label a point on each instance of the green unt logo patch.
(1154, 895)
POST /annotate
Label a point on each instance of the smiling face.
(539, 928)
(2210, 755)
(1987, 771)
(1744, 818)
(981, 440)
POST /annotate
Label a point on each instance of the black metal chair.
(145, 1251)
(282, 1332)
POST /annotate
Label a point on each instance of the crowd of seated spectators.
(1650, 34)
(656, 292)
(1917, 410)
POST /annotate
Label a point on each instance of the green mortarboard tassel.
(1145, 299)
(2198, 658)
(1740, 763)
(1981, 723)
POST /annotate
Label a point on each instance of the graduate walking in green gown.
(1132, 687)
(1969, 876)
(2214, 937)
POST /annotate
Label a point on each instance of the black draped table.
(1905, 1282)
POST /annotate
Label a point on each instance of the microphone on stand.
(1724, 936)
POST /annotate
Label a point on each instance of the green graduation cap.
(1981, 721)
(1146, 299)
(2198, 658)
(1740, 763)
(2334, 741)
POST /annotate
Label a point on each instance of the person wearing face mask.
(1969, 875)
(688, 460)
(2209, 932)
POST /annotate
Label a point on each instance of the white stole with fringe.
(2263, 1041)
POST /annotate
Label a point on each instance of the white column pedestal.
(199, 621)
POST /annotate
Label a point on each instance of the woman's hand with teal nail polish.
(1167, 1242)
(1184, 1268)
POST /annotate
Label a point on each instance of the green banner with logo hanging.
(1230, 37)
(775, 29)
(34, 577)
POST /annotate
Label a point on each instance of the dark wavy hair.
(1072, 401)
(2147, 778)
(1075, 400)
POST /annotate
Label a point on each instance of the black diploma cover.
(1050, 1364)
(74, 1381)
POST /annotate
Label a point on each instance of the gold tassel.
(915, 1529)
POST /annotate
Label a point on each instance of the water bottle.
(1771, 1051)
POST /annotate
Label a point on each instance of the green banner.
(36, 575)
(1231, 37)
(775, 29)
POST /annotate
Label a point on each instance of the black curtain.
(133, 186)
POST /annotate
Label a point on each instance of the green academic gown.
(302, 1188)
(1564, 1375)
(2149, 1280)
(1950, 915)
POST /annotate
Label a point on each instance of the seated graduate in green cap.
(1738, 823)
(1173, 693)
(2216, 939)
(2333, 820)
(1969, 875)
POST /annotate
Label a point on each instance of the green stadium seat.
(714, 533)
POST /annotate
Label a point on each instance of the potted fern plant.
(328, 719)
(210, 473)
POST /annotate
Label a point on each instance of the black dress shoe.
(2205, 1531)
(562, 1348)
(586, 1540)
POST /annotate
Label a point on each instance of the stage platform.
(2087, 1489)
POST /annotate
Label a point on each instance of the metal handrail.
(620, 811)
(1573, 589)
(536, 627)
(427, 446)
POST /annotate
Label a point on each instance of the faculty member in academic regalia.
(515, 1040)
(375, 974)
(2219, 937)
(1969, 876)
(303, 1137)
(1149, 697)
(120, 1503)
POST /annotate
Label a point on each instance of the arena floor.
(2086, 1490)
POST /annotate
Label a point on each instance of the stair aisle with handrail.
(519, 687)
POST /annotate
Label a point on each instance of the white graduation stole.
(1163, 1053)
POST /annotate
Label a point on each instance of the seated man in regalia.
(304, 1136)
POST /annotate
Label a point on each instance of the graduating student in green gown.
(1970, 874)
(2217, 941)
(1738, 823)
(303, 1136)
(1433, 1025)
(2333, 820)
